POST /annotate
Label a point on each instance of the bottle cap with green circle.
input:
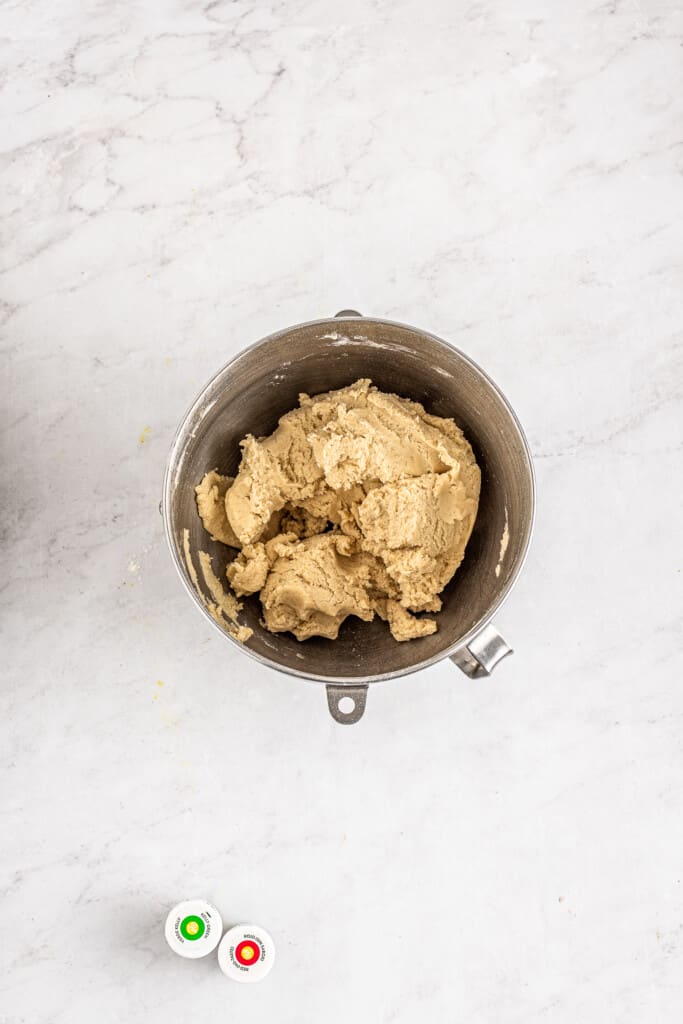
(193, 929)
(246, 953)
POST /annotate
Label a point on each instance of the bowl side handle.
(347, 703)
(483, 652)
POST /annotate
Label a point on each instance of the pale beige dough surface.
(224, 606)
(359, 503)
(211, 504)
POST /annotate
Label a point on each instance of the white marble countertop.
(179, 180)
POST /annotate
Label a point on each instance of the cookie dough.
(224, 606)
(359, 503)
(211, 504)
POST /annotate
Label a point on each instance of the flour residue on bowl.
(362, 340)
(225, 607)
(189, 563)
(504, 541)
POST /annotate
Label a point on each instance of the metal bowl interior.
(263, 382)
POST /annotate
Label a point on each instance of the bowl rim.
(181, 436)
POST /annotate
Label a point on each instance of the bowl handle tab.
(347, 703)
(482, 653)
(347, 312)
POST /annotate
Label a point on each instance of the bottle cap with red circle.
(246, 953)
(193, 928)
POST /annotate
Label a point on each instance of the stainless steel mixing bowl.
(263, 382)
